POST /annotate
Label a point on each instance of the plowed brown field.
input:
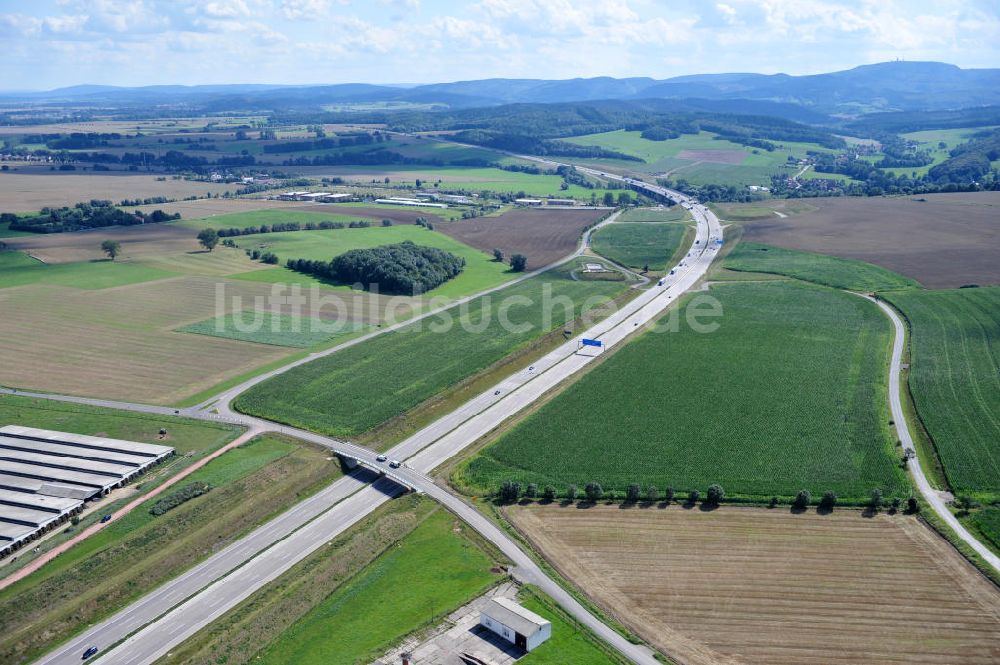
(543, 236)
(940, 240)
(757, 586)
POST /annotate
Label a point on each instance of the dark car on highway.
(89, 652)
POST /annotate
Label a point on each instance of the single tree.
(802, 500)
(632, 493)
(571, 493)
(518, 262)
(594, 492)
(208, 238)
(669, 494)
(386, 222)
(895, 503)
(549, 493)
(498, 255)
(693, 497)
(876, 500)
(828, 501)
(609, 199)
(112, 248)
(651, 494)
(532, 491)
(510, 491)
(715, 495)
(912, 506)
(773, 502)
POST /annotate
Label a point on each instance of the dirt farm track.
(941, 240)
(765, 587)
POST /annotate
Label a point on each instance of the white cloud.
(304, 9)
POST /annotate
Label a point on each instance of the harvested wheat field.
(27, 192)
(940, 240)
(121, 343)
(544, 236)
(212, 207)
(141, 240)
(758, 586)
(397, 215)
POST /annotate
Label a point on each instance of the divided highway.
(171, 614)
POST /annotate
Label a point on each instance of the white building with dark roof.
(519, 626)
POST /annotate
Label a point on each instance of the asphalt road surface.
(932, 496)
(163, 618)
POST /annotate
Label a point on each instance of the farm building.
(528, 202)
(561, 202)
(399, 201)
(46, 476)
(519, 626)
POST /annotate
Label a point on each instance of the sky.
(53, 43)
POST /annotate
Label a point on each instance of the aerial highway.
(156, 623)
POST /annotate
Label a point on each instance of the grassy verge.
(639, 244)
(139, 552)
(403, 568)
(571, 642)
(928, 515)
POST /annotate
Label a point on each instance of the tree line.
(92, 215)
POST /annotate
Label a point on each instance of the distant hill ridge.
(887, 86)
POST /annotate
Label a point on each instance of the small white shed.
(517, 625)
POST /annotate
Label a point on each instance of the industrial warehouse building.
(519, 626)
(46, 476)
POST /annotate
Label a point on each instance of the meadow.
(768, 587)
(673, 214)
(432, 571)
(722, 407)
(636, 245)
(819, 268)
(480, 272)
(955, 380)
(987, 522)
(360, 387)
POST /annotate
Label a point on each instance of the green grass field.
(363, 386)
(788, 393)
(931, 140)
(480, 272)
(955, 380)
(432, 571)
(674, 214)
(18, 269)
(636, 245)
(5, 232)
(275, 329)
(819, 268)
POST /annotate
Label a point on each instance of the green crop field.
(433, 570)
(987, 522)
(819, 268)
(275, 329)
(788, 393)
(674, 214)
(480, 272)
(363, 386)
(955, 380)
(637, 244)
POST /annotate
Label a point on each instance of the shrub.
(693, 496)
(594, 492)
(176, 498)
(518, 262)
(651, 494)
(532, 491)
(828, 501)
(715, 495)
(549, 493)
(802, 500)
(571, 492)
(876, 501)
(669, 494)
(632, 493)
